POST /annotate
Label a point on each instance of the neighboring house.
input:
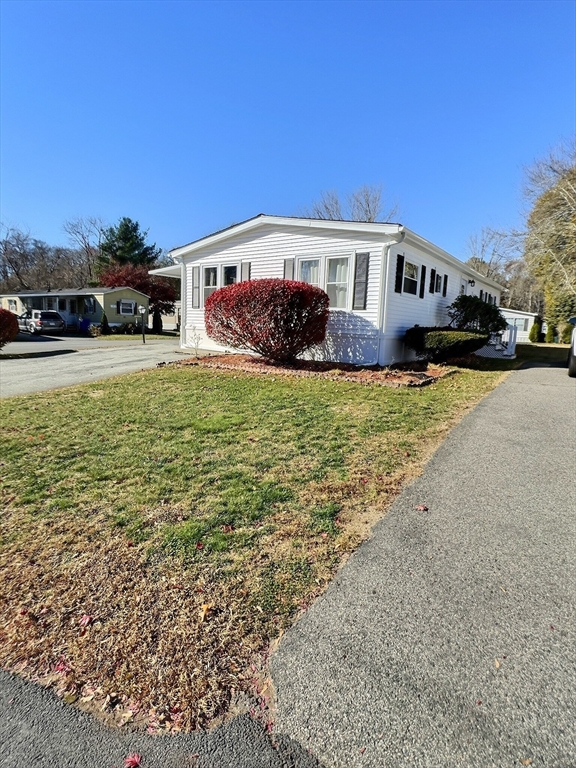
(522, 321)
(381, 279)
(77, 304)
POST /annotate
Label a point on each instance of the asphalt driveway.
(60, 361)
(447, 640)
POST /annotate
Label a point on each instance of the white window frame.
(438, 283)
(406, 277)
(203, 285)
(12, 305)
(320, 261)
(327, 272)
(123, 305)
(237, 267)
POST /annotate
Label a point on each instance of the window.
(12, 305)
(310, 271)
(73, 307)
(50, 302)
(89, 305)
(410, 284)
(210, 281)
(525, 324)
(438, 286)
(61, 305)
(337, 282)
(229, 275)
(127, 307)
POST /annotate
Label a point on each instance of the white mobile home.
(522, 321)
(381, 279)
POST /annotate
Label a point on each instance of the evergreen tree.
(126, 244)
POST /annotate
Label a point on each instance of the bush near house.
(8, 327)
(278, 319)
(470, 313)
(440, 344)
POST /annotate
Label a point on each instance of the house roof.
(388, 230)
(72, 292)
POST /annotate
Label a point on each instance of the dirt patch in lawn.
(409, 375)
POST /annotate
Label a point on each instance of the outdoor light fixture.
(142, 310)
(472, 283)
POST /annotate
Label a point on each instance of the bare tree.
(364, 204)
(490, 251)
(85, 234)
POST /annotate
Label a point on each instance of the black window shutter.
(422, 281)
(361, 281)
(489, 298)
(481, 295)
(246, 270)
(445, 286)
(432, 286)
(195, 287)
(399, 273)
(117, 307)
(288, 269)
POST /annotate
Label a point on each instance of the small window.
(410, 278)
(210, 281)
(74, 308)
(438, 286)
(229, 275)
(525, 324)
(12, 305)
(127, 307)
(337, 282)
(310, 271)
(61, 305)
(89, 305)
(50, 302)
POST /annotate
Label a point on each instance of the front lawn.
(160, 529)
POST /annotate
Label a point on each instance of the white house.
(522, 321)
(381, 279)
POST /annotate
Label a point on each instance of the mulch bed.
(400, 376)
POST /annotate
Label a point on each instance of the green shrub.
(105, 326)
(566, 334)
(536, 330)
(550, 334)
(470, 313)
(440, 344)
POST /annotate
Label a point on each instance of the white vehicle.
(572, 353)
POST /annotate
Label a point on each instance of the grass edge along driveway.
(162, 528)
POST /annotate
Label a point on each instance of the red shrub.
(8, 327)
(278, 319)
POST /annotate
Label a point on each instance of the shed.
(522, 321)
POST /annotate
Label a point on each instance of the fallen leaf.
(132, 761)
(496, 663)
(86, 620)
(528, 761)
(205, 610)
(422, 508)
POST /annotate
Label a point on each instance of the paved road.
(63, 361)
(447, 640)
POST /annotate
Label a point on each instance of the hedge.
(440, 344)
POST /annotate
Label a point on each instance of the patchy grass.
(160, 529)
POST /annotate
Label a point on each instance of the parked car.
(572, 353)
(41, 321)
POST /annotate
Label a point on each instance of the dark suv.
(41, 321)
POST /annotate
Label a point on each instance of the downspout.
(383, 304)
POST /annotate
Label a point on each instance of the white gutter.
(383, 299)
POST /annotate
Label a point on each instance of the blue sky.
(190, 116)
